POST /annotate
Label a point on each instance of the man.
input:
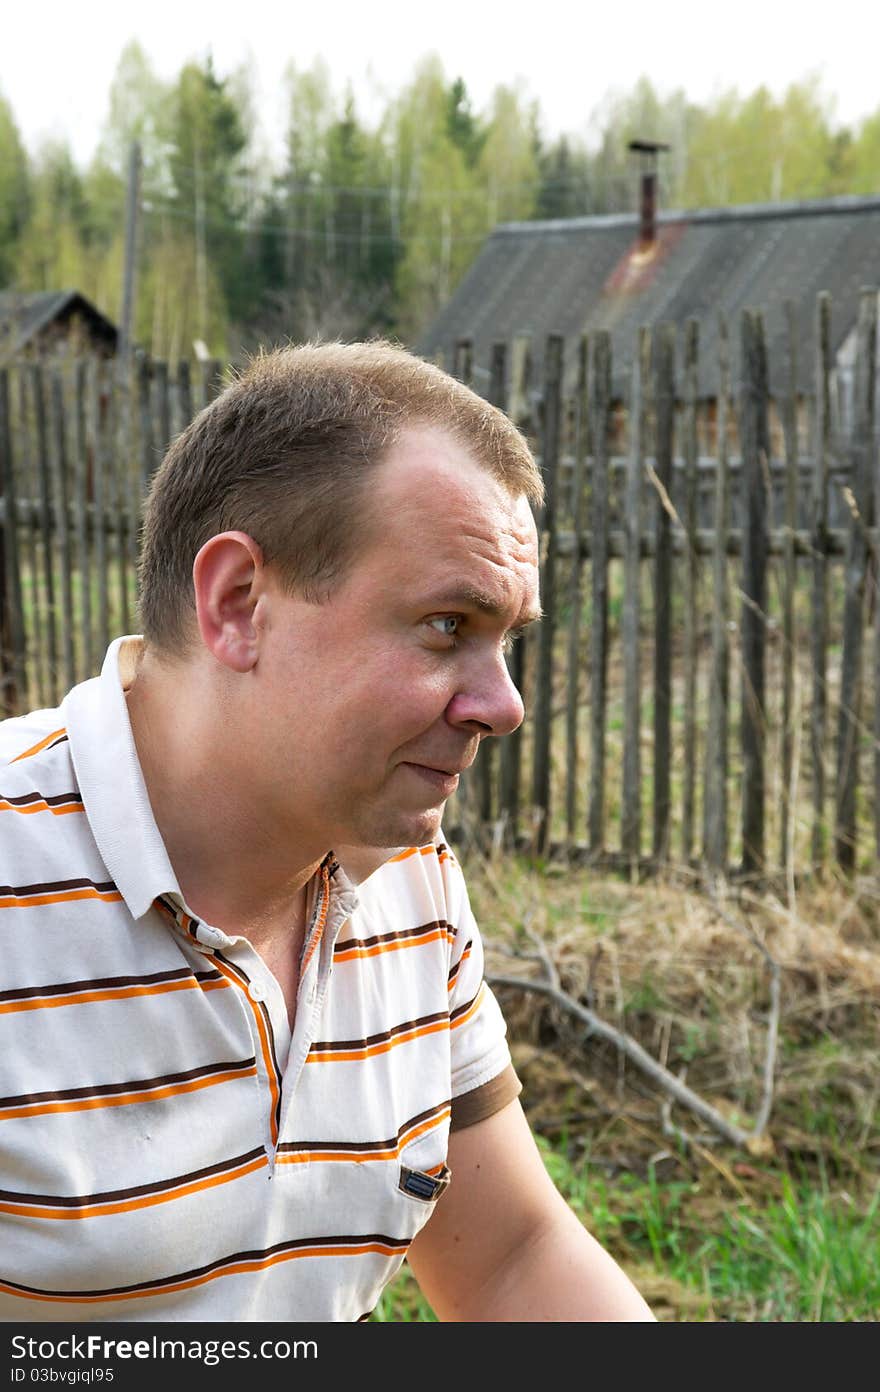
(247, 1059)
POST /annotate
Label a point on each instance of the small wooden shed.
(36, 324)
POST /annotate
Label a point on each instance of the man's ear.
(226, 574)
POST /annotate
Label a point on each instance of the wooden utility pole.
(132, 219)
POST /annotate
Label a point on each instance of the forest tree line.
(363, 226)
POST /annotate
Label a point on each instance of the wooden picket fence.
(720, 609)
(700, 690)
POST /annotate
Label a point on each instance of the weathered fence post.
(715, 832)
(861, 507)
(510, 754)
(44, 467)
(463, 367)
(81, 483)
(98, 449)
(466, 804)
(183, 396)
(163, 406)
(691, 586)
(755, 450)
(58, 454)
(37, 688)
(600, 416)
(664, 398)
(118, 461)
(631, 829)
(789, 582)
(487, 757)
(819, 549)
(212, 380)
(581, 447)
(148, 459)
(544, 669)
(12, 640)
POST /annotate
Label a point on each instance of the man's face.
(375, 700)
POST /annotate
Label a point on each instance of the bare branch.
(633, 1051)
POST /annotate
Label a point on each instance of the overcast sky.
(57, 60)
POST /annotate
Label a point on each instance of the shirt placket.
(315, 981)
(261, 999)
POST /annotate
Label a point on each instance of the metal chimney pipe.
(648, 209)
(648, 149)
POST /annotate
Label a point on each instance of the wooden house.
(618, 272)
(49, 322)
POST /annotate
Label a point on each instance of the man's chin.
(410, 829)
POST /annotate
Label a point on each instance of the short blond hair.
(285, 454)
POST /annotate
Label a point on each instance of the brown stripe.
(115, 1195)
(463, 1009)
(281, 1251)
(324, 1045)
(57, 887)
(345, 1146)
(381, 938)
(42, 744)
(104, 983)
(26, 799)
(136, 1085)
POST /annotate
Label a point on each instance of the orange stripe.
(356, 1156)
(131, 1205)
(351, 1250)
(124, 1099)
(421, 850)
(347, 1055)
(478, 1000)
(264, 1045)
(120, 993)
(454, 979)
(35, 748)
(361, 1156)
(41, 807)
(37, 900)
(374, 951)
(428, 1125)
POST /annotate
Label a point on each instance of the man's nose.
(489, 704)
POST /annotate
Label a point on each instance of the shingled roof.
(576, 275)
(25, 315)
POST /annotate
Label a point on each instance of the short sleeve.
(483, 1079)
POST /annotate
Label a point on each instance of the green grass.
(808, 1254)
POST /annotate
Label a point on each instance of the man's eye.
(448, 625)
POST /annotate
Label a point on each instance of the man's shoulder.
(24, 737)
(42, 821)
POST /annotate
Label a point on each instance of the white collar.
(112, 785)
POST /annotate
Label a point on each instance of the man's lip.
(437, 768)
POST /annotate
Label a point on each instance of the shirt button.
(255, 991)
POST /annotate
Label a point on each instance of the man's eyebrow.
(467, 597)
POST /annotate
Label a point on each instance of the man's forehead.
(428, 454)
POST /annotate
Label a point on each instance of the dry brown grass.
(688, 977)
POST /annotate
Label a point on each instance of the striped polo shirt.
(169, 1148)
